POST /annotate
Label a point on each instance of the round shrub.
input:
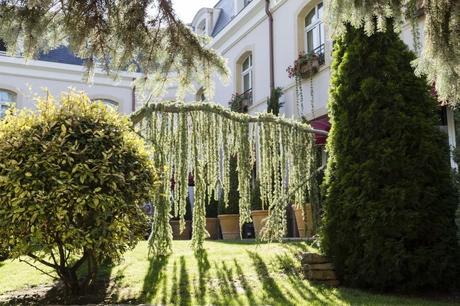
(390, 202)
(73, 180)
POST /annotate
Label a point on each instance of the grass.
(227, 273)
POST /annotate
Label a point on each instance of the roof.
(226, 15)
(61, 55)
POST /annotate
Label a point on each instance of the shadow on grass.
(180, 293)
(269, 284)
(154, 275)
(307, 291)
(201, 257)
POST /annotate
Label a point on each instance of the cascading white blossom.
(201, 138)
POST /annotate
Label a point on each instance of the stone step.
(320, 274)
(320, 266)
(312, 258)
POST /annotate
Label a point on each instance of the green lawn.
(228, 273)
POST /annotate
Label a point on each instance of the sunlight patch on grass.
(226, 273)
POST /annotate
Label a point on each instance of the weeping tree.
(203, 138)
(440, 59)
(390, 203)
(114, 35)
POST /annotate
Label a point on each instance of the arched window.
(314, 30)
(108, 102)
(7, 100)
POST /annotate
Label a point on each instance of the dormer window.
(201, 28)
(314, 30)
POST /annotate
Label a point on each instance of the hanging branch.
(202, 138)
(440, 59)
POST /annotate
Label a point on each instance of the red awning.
(321, 123)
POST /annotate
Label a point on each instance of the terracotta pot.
(186, 234)
(305, 228)
(230, 226)
(212, 227)
(258, 219)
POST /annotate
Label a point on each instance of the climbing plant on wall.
(201, 138)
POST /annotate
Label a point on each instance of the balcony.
(241, 102)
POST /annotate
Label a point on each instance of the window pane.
(310, 45)
(247, 63)
(7, 100)
(320, 10)
(311, 17)
(321, 34)
(246, 82)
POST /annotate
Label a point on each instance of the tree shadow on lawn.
(155, 274)
(201, 257)
(55, 293)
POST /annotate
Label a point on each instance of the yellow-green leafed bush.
(73, 179)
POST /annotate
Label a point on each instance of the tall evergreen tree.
(390, 202)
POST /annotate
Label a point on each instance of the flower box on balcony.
(309, 67)
(305, 66)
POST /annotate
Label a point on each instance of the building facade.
(239, 31)
(58, 71)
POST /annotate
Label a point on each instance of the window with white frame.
(314, 30)
(7, 100)
(246, 74)
(108, 102)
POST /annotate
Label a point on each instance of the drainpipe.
(133, 98)
(272, 59)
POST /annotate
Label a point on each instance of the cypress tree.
(390, 202)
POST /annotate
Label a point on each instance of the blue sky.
(186, 9)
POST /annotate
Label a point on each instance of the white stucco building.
(240, 32)
(58, 71)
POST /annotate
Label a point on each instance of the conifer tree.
(390, 201)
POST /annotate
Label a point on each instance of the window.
(7, 100)
(246, 74)
(108, 102)
(246, 2)
(314, 30)
(200, 96)
(201, 28)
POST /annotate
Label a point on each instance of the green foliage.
(440, 58)
(256, 201)
(232, 206)
(116, 35)
(211, 206)
(273, 102)
(206, 138)
(73, 179)
(390, 203)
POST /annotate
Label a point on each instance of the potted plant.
(186, 234)
(212, 222)
(304, 218)
(258, 213)
(306, 65)
(229, 217)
